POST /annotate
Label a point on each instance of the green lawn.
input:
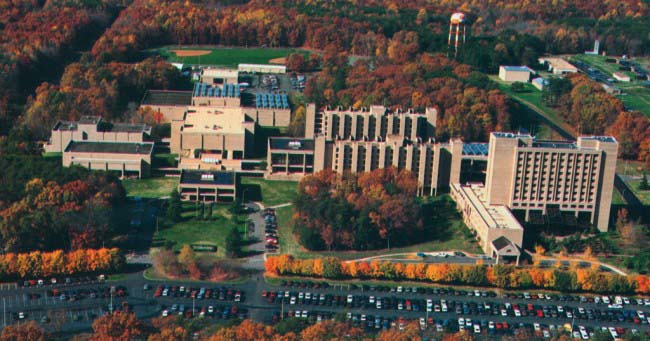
(269, 192)
(52, 155)
(225, 56)
(149, 188)
(192, 230)
(454, 238)
(644, 196)
(617, 199)
(532, 98)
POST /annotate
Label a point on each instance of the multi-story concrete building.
(290, 155)
(549, 176)
(363, 140)
(124, 157)
(208, 186)
(224, 132)
(370, 123)
(93, 128)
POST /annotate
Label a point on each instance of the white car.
(569, 314)
(429, 305)
(378, 303)
(583, 332)
(461, 321)
(308, 296)
(210, 310)
(292, 300)
(626, 300)
(21, 315)
(423, 323)
(305, 313)
(504, 312)
(477, 329)
(350, 299)
(400, 289)
(560, 309)
(371, 299)
(517, 313)
(606, 299)
(491, 325)
(165, 313)
(537, 327)
(640, 314)
(612, 331)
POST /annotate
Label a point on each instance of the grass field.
(532, 98)
(269, 192)
(224, 56)
(634, 94)
(192, 230)
(52, 155)
(453, 238)
(149, 188)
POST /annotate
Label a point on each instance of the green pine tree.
(175, 206)
(233, 243)
(644, 186)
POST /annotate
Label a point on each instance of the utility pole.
(4, 312)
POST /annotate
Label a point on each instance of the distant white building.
(515, 73)
(621, 77)
(558, 65)
(262, 68)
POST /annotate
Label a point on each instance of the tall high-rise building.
(549, 177)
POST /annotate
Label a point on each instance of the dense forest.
(44, 206)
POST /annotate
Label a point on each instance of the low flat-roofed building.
(220, 131)
(558, 65)
(290, 155)
(262, 68)
(271, 110)
(219, 76)
(93, 128)
(208, 186)
(212, 95)
(490, 222)
(509, 73)
(539, 83)
(170, 104)
(124, 157)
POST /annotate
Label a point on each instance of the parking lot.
(72, 307)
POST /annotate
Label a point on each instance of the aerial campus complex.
(497, 185)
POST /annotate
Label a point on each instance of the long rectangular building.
(94, 128)
(124, 157)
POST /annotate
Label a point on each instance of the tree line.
(37, 264)
(500, 276)
(357, 211)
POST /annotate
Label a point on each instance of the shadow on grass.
(251, 192)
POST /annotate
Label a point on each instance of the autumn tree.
(23, 331)
(118, 326)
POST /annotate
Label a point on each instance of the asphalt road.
(77, 316)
